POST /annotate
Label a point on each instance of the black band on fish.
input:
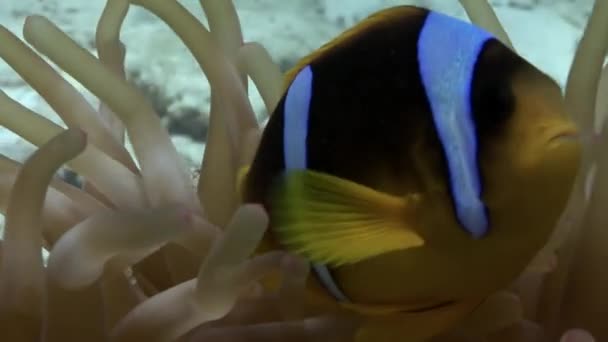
(295, 133)
(447, 78)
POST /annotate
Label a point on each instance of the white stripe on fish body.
(295, 132)
(296, 110)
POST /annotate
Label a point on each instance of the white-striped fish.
(415, 160)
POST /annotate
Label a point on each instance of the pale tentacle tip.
(577, 335)
(186, 215)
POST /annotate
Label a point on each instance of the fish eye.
(492, 106)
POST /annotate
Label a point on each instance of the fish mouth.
(564, 134)
(435, 306)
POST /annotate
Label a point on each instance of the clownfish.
(415, 161)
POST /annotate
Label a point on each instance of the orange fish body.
(419, 164)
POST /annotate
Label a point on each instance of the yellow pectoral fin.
(334, 221)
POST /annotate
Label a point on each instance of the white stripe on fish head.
(448, 49)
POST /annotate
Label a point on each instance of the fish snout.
(562, 133)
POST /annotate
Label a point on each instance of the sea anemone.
(128, 248)
(141, 252)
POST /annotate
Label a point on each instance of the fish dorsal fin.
(447, 79)
(334, 221)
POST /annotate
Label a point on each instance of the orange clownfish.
(415, 161)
